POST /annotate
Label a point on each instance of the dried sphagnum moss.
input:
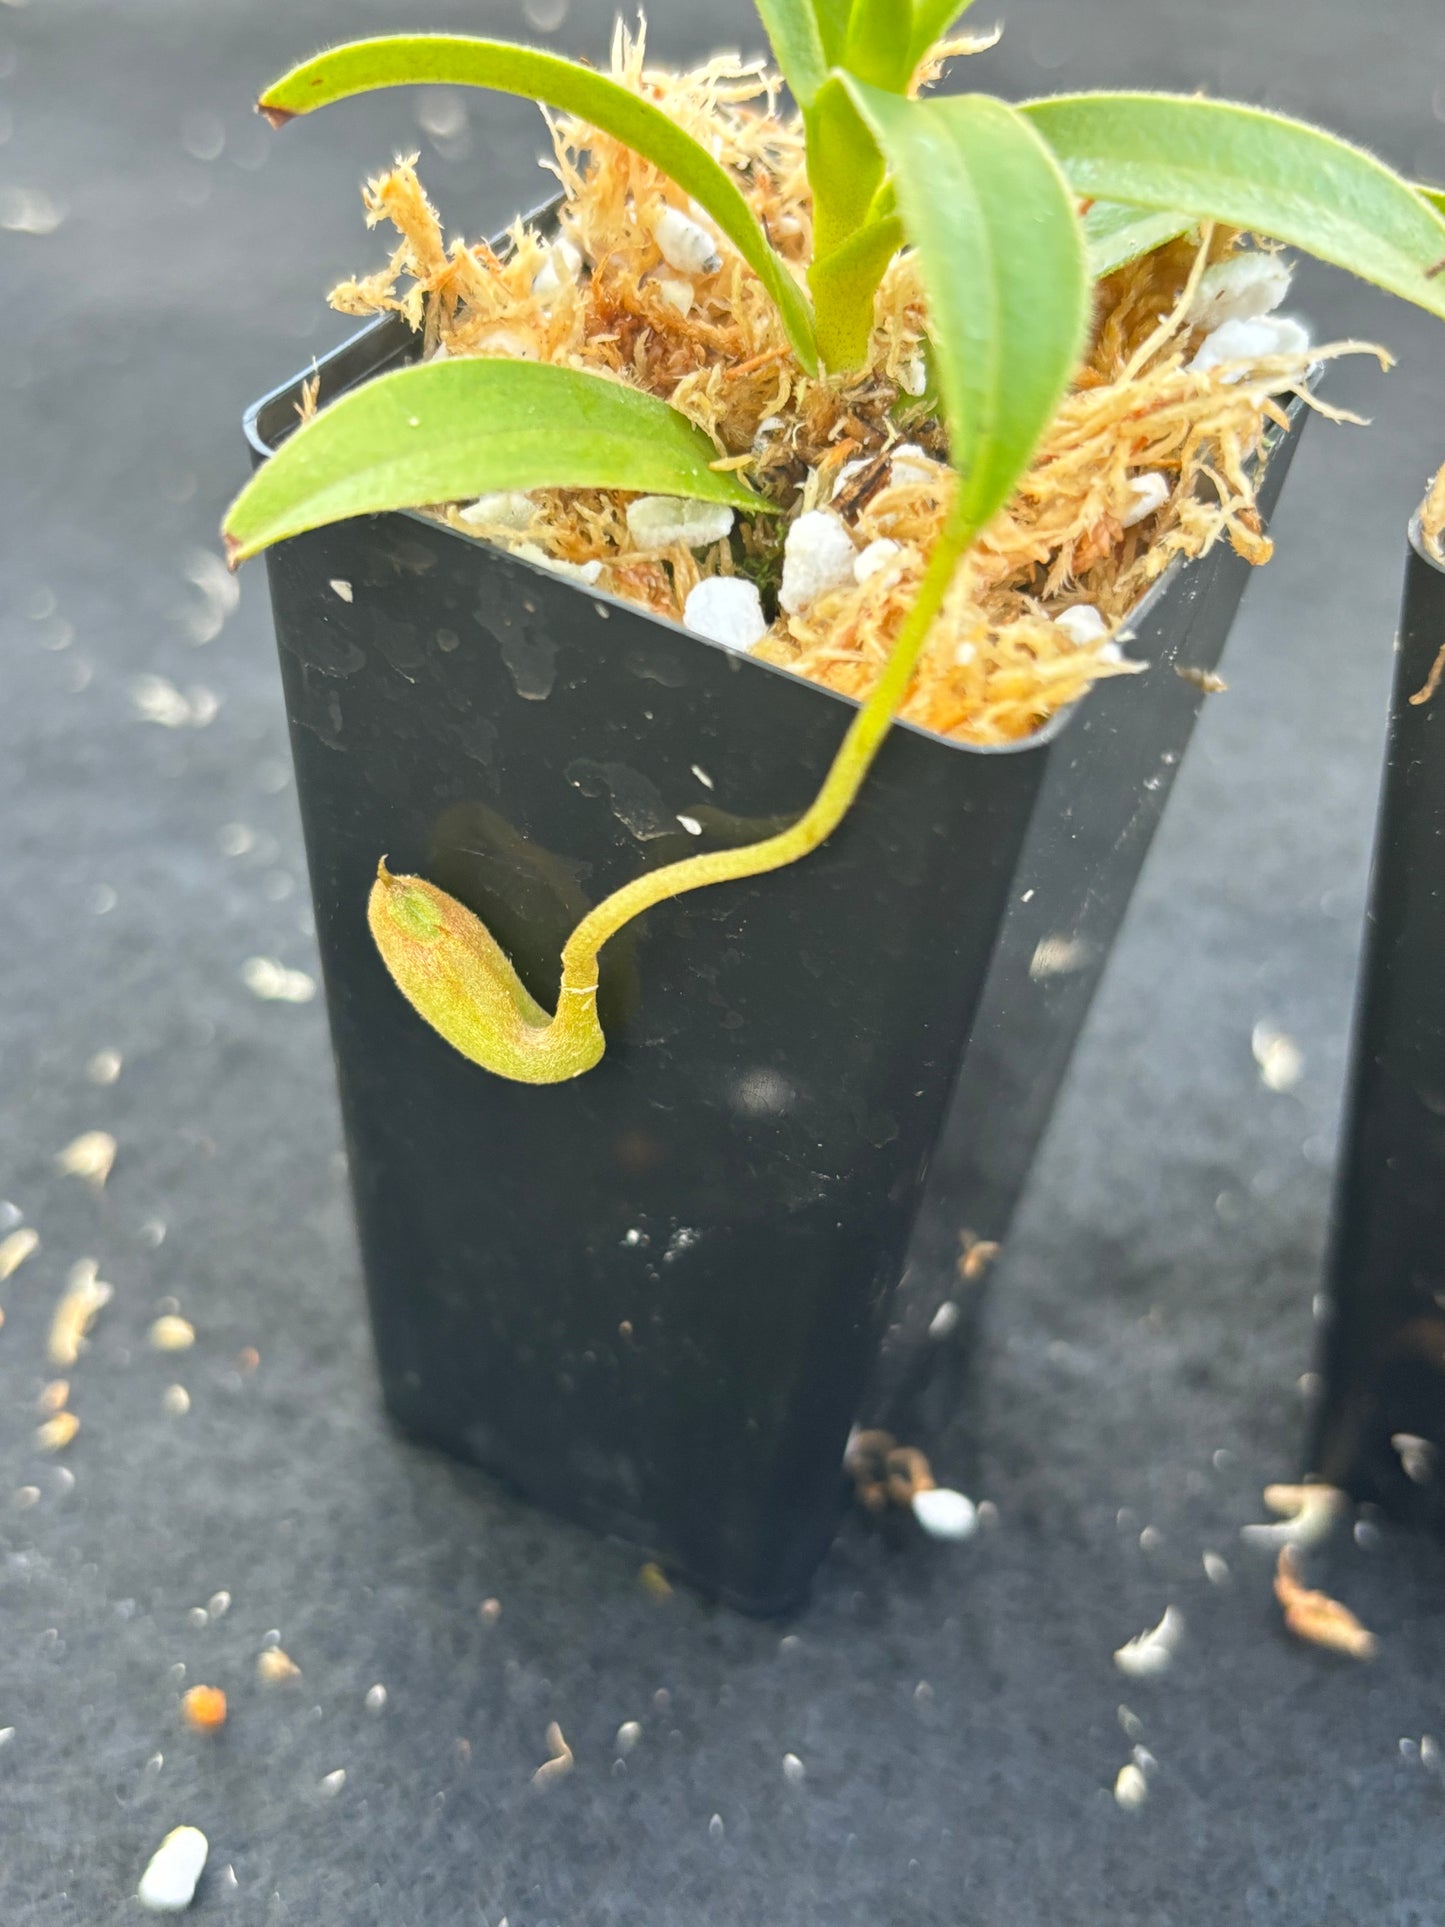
(997, 666)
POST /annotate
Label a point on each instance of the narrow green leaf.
(845, 168)
(795, 31)
(455, 61)
(1116, 235)
(1219, 162)
(931, 21)
(447, 430)
(844, 286)
(1001, 258)
(833, 17)
(1434, 195)
(878, 45)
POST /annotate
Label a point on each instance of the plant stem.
(845, 776)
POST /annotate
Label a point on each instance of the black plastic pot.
(1385, 1349)
(657, 1298)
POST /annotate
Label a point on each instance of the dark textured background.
(955, 1710)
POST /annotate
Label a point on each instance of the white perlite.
(1148, 1654)
(1249, 341)
(168, 1884)
(909, 464)
(507, 509)
(1131, 1789)
(684, 244)
(878, 554)
(944, 1514)
(585, 572)
(1082, 624)
(559, 269)
(664, 521)
(1150, 492)
(817, 556)
(1239, 289)
(726, 609)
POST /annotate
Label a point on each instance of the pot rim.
(1040, 738)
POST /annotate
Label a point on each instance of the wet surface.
(938, 1738)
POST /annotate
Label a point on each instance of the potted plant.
(601, 574)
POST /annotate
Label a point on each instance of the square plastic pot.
(657, 1298)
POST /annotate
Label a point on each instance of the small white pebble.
(505, 509)
(273, 983)
(1216, 1569)
(375, 1698)
(219, 1604)
(878, 554)
(332, 1783)
(1082, 624)
(1130, 1722)
(793, 1768)
(944, 1514)
(817, 556)
(1131, 1789)
(7, 1734)
(1240, 288)
(1429, 1753)
(690, 824)
(342, 588)
(199, 1618)
(1281, 1061)
(676, 292)
(1409, 1750)
(715, 1827)
(944, 1321)
(559, 269)
(909, 465)
(669, 521)
(586, 572)
(1416, 1456)
(104, 1067)
(628, 1734)
(16, 1248)
(1149, 1653)
(726, 609)
(27, 1496)
(168, 1884)
(1149, 493)
(963, 654)
(684, 244)
(1307, 1516)
(171, 1334)
(175, 1401)
(90, 1156)
(1249, 341)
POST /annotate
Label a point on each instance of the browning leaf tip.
(277, 116)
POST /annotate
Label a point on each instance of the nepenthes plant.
(1011, 214)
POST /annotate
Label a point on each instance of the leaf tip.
(277, 116)
(234, 550)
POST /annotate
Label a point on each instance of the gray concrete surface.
(1151, 1331)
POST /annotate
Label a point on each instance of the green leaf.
(844, 286)
(931, 21)
(1215, 161)
(447, 430)
(833, 17)
(845, 168)
(878, 44)
(1001, 257)
(1434, 195)
(452, 60)
(799, 48)
(1116, 235)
